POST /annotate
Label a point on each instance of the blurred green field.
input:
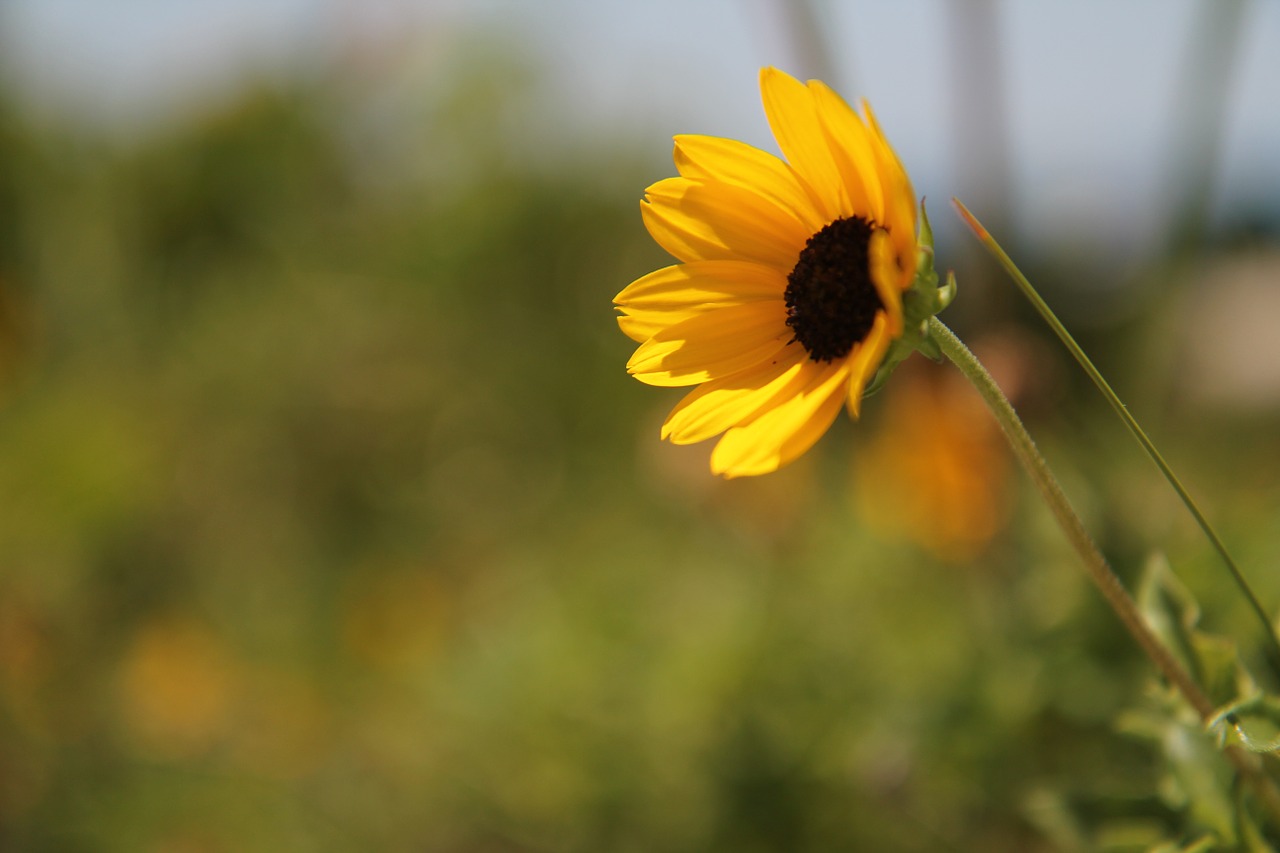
(330, 520)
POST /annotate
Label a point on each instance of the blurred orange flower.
(937, 469)
(178, 685)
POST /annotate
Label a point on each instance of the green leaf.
(1173, 614)
(1169, 608)
(1250, 836)
(1255, 721)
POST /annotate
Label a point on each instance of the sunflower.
(789, 291)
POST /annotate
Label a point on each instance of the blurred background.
(330, 519)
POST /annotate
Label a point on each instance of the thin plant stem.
(1129, 421)
(1096, 565)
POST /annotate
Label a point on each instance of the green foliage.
(330, 521)
(1199, 783)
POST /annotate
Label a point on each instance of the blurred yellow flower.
(178, 686)
(789, 290)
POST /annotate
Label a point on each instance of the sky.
(1090, 109)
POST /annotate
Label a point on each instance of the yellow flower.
(789, 291)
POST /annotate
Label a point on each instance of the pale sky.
(1091, 88)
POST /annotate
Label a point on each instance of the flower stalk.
(1095, 564)
(1127, 418)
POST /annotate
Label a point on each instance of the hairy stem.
(1095, 564)
(1127, 418)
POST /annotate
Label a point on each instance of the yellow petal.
(781, 433)
(865, 360)
(714, 407)
(642, 326)
(676, 293)
(890, 162)
(711, 345)
(711, 158)
(855, 156)
(697, 282)
(700, 221)
(793, 116)
(900, 221)
(885, 276)
(899, 200)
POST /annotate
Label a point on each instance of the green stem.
(1129, 421)
(1099, 570)
(1095, 563)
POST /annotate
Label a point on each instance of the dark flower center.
(831, 300)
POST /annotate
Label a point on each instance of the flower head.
(790, 288)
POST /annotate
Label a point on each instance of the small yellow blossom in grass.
(790, 288)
